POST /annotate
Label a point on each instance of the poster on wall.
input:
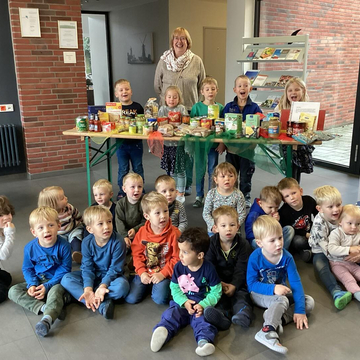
(140, 48)
(29, 22)
(68, 34)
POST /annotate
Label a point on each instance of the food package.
(200, 131)
(166, 130)
(233, 124)
(151, 108)
(114, 108)
(104, 116)
(174, 118)
(183, 130)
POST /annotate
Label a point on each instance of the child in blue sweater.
(101, 277)
(47, 259)
(268, 268)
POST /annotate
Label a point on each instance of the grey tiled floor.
(85, 335)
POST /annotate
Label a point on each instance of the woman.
(179, 66)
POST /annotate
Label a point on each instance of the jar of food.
(132, 129)
(298, 127)
(186, 119)
(289, 129)
(274, 127)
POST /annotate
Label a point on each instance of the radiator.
(9, 154)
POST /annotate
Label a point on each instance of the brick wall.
(333, 61)
(51, 93)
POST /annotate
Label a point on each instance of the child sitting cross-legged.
(195, 285)
(101, 279)
(268, 204)
(155, 251)
(229, 253)
(47, 259)
(268, 269)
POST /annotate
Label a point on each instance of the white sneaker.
(180, 198)
(158, 338)
(205, 349)
(271, 340)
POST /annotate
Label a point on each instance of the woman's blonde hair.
(175, 88)
(284, 101)
(50, 197)
(179, 31)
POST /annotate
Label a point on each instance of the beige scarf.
(177, 64)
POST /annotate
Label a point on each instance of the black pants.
(5, 282)
(232, 305)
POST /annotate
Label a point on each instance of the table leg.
(289, 161)
(108, 156)
(88, 169)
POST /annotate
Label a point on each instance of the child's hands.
(31, 291)
(189, 306)
(145, 278)
(157, 277)
(276, 215)
(199, 310)
(89, 297)
(281, 290)
(301, 321)
(307, 235)
(131, 234)
(354, 249)
(40, 292)
(101, 291)
(9, 225)
(230, 290)
(221, 148)
(127, 242)
(224, 286)
(355, 258)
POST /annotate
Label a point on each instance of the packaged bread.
(166, 130)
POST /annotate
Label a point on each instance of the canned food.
(186, 119)
(298, 127)
(206, 123)
(81, 123)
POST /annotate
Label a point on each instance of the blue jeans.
(74, 284)
(288, 235)
(129, 151)
(212, 160)
(160, 292)
(322, 267)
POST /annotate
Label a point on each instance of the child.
(297, 211)
(128, 150)
(268, 268)
(70, 218)
(243, 163)
(344, 242)
(129, 215)
(173, 159)
(166, 186)
(209, 89)
(194, 286)
(102, 190)
(268, 204)
(328, 200)
(101, 279)
(225, 193)
(7, 237)
(295, 90)
(229, 255)
(155, 251)
(47, 259)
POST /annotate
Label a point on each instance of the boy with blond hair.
(269, 268)
(209, 89)
(268, 204)
(166, 186)
(47, 259)
(297, 211)
(229, 254)
(128, 213)
(128, 151)
(101, 278)
(155, 251)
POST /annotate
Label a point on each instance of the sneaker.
(341, 299)
(205, 349)
(106, 309)
(198, 202)
(306, 256)
(77, 257)
(42, 328)
(158, 338)
(180, 198)
(188, 191)
(242, 319)
(215, 317)
(271, 340)
(248, 203)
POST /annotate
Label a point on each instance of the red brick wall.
(51, 93)
(333, 61)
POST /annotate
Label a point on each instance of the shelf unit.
(299, 42)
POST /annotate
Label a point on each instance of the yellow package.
(309, 120)
(103, 116)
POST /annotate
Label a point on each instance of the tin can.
(298, 127)
(206, 123)
(81, 123)
(186, 119)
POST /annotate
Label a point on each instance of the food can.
(298, 127)
(206, 123)
(186, 119)
(194, 123)
(81, 123)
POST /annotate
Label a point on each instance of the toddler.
(328, 200)
(47, 259)
(344, 243)
(225, 193)
(268, 269)
(101, 279)
(128, 212)
(71, 227)
(173, 159)
(7, 237)
(268, 204)
(166, 186)
(297, 211)
(209, 89)
(128, 150)
(195, 285)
